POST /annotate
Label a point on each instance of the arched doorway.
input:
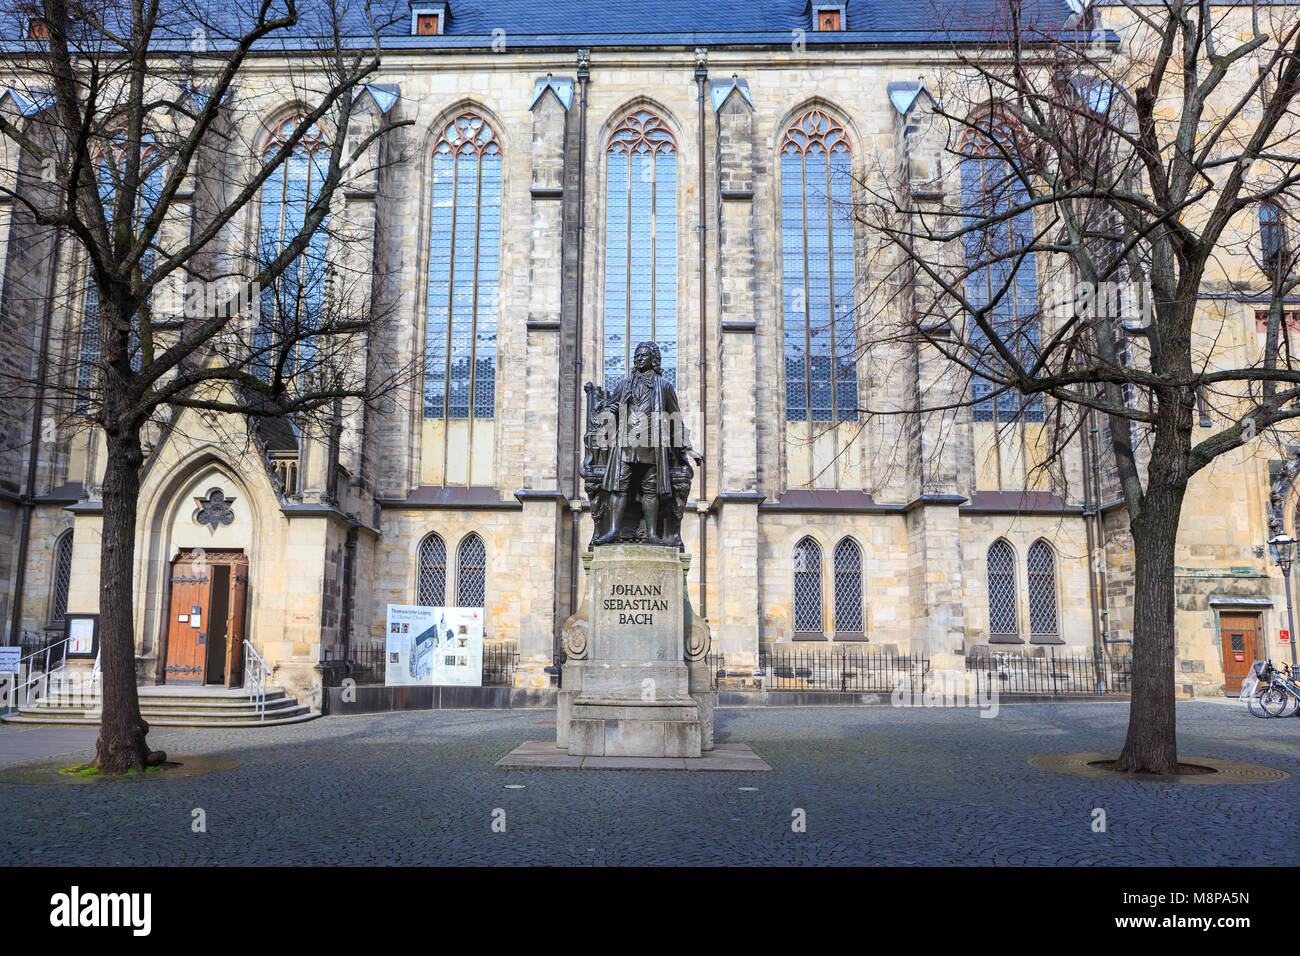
(206, 614)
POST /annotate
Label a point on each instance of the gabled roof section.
(723, 89)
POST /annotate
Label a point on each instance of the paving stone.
(923, 786)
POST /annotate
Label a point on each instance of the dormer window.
(428, 18)
(37, 29)
(828, 17)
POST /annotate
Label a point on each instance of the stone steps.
(171, 707)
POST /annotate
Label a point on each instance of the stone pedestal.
(628, 689)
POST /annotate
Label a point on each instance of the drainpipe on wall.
(575, 511)
(27, 502)
(701, 76)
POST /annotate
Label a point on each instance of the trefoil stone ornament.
(214, 510)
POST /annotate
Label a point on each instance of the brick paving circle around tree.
(877, 785)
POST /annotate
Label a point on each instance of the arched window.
(460, 340)
(110, 175)
(291, 306)
(1272, 236)
(62, 578)
(471, 572)
(817, 252)
(808, 587)
(640, 244)
(431, 573)
(1042, 589)
(1002, 590)
(989, 187)
(848, 587)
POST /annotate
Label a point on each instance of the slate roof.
(572, 23)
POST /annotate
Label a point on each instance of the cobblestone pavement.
(877, 784)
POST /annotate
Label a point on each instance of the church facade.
(585, 182)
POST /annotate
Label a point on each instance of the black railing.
(366, 662)
(1052, 673)
(842, 669)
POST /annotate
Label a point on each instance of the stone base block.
(610, 727)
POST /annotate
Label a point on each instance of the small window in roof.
(427, 24)
(828, 18)
(37, 29)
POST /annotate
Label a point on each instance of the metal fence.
(841, 669)
(854, 669)
(1053, 673)
(365, 663)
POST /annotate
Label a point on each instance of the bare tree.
(148, 136)
(1067, 163)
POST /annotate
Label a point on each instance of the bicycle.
(1274, 691)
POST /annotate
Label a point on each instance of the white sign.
(9, 658)
(434, 645)
(81, 636)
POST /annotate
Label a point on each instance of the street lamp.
(1281, 546)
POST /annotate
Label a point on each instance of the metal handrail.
(43, 677)
(256, 675)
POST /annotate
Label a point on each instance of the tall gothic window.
(291, 306)
(109, 176)
(808, 587)
(821, 376)
(640, 244)
(62, 578)
(1042, 589)
(1272, 236)
(431, 573)
(990, 187)
(848, 587)
(1002, 589)
(471, 572)
(460, 340)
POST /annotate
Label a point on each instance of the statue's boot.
(617, 505)
(650, 508)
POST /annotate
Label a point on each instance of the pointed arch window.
(291, 306)
(1272, 237)
(640, 243)
(431, 573)
(808, 588)
(989, 187)
(1042, 589)
(1002, 590)
(821, 379)
(848, 587)
(471, 572)
(110, 176)
(61, 581)
(460, 344)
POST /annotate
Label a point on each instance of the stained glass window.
(640, 244)
(989, 186)
(109, 175)
(291, 306)
(1002, 589)
(821, 375)
(460, 345)
(808, 587)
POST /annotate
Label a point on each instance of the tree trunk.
(121, 746)
(1151, 745)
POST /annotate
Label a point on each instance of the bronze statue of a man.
(643, 430)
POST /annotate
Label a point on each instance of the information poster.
(83, 634)
(434, 645)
